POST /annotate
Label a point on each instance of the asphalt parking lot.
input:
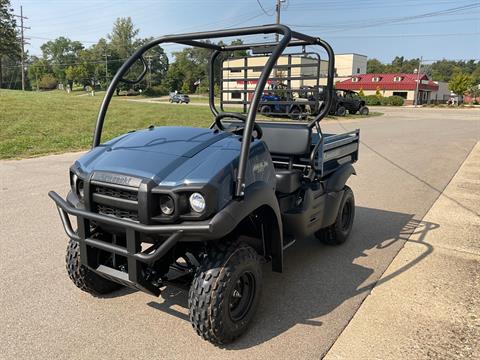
(407, 157)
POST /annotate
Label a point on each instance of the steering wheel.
(239, 130)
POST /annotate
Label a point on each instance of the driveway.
(407, 157)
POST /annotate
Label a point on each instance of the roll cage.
(289, 39)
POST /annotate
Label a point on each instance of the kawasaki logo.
(260, 166)
(116, 179)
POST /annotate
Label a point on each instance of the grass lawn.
(39, 123)
(35, 123)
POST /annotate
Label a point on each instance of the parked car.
(204, 208)
(179, 98)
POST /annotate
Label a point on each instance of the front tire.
(225, 292)
(84, 278)
(338, 233)
(364, 111)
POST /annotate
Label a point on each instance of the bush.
(374, 100)
(47, 82)
(158, 90)
(393, 101)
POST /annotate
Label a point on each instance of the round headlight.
(80, 188)
(197, 202)
(166, 205)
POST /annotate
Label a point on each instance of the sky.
(379, 29)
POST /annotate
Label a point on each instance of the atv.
(204, 208)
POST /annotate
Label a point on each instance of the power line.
(263, 9)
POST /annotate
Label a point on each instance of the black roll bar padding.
(211, 83)
(188, 37)
(140, 77)
(331, 74)
(252, 110)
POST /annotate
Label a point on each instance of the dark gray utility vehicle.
(346, 100)
(204, 208)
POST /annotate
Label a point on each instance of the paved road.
(407, 158)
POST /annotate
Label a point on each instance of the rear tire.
(338, 233)
(84, 278)
(341, 111)
(295, 114)
(266, 110)
(225, 292)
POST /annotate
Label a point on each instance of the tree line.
(68, 62)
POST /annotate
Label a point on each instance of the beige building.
(347, 65)
(294, 71)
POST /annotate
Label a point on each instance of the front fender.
(257, 195)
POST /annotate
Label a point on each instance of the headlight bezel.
(181, 195)
(77, 184)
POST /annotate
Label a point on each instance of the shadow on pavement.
(318, 278)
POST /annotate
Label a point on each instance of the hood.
(152, 153)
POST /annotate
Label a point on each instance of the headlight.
(80, 186)
(77, 186)
(197, 202)
(166, 205)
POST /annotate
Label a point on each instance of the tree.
(474, 92)
(374, 66)
(158, 61)
(9, 44)
(36, 70)
(122, 38)
(77, 73)
(61, 53)
(460, 83)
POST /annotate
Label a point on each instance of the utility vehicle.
(204, 208)
(346, 100)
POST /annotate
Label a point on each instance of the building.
(399, 84)
(347, 65)
(293, 70)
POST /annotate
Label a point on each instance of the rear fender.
(338, 179)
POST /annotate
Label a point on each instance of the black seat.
(287, 140)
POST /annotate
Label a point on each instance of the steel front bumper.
(214, 228)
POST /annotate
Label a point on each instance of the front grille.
(116, 193)
(114, 201)
(117, 212)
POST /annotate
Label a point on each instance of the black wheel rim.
(242, 296)
(347, 215)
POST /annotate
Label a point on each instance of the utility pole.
(277, 10)
(417, 87)
(23, 43)
(106, 68)
(149, 58)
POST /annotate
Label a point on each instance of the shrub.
(392, 101)
(372, 100)
(47, 82)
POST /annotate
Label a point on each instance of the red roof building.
(399, 84)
